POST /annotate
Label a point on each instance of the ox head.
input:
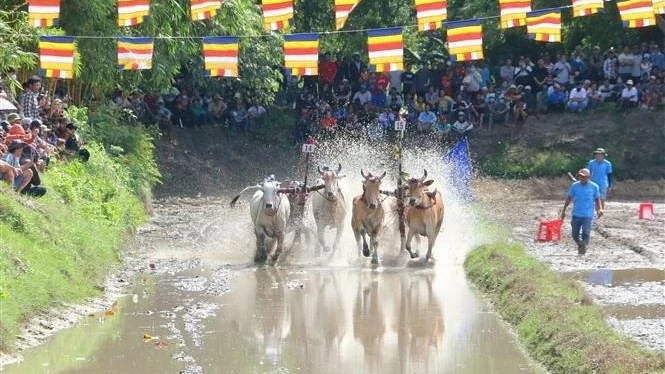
(371, 194)
(330, 180)
(417, 189)
(271, 190)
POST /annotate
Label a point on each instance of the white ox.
(329, 205)
(270, 211)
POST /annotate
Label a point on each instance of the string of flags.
(301, 51)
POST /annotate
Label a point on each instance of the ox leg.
(320, 233)
(338, 237)
(409, 237)
(278, 250)
(431, 239)
(261, 255)
(375, 248)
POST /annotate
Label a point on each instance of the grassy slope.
(58, 248)
(554, 318)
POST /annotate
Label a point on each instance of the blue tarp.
(459, 165)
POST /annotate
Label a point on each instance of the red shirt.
(382, 81)
(328, 72)
(328, 123)
(447, 84)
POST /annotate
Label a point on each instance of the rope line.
(272, 33)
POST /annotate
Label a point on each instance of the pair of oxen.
(273, 207)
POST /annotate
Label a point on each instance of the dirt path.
(623, 268)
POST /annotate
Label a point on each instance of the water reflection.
(323, 320)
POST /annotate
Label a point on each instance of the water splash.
(235, 236)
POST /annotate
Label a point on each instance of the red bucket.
(549, 231)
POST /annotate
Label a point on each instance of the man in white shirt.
(628, 96)
(363, 96)
(577, 99)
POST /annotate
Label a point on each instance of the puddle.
(635, 311)
(620, 277)
(311, 320)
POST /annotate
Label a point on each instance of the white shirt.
(577, 94)
(363, 97)
(629, 94)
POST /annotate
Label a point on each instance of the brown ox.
(329, 205)
(424, 213)
(367, 216)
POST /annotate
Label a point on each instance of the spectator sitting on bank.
(499, 111)
(198, 113)
(72, 140)
(577, 99)
(462, 126)
(217, 109)
(386, 118)
(363, 96)
(16, 130)
(240, 117)
(556, 98)
(442, 127)
(22, 174)
(426, 119)
(379, 98)
(531, 102)
(595, 97)
(629, 96)
(479, 110)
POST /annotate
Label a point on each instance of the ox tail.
(250, 188)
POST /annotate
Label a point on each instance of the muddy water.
(310, 320)
(618, 277)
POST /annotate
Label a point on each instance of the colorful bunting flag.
(465, 40)
(342, 10)
(513, 12)
(386, 49)
(56, 56)
(132, 12)
(430, 14)
(220, 54)
(135, 53)
(583, 8)
(204, 9)
(659, 6)
(637, 13)
(43, 13)
(544, 25)
(301, 54)
(277, 14)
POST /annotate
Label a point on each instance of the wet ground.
(196, 304)
(623, 269)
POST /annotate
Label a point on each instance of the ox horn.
(320, 170)
(339, 168)
(382, 175)
(363, 174)
(422, 179)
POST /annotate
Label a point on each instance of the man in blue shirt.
(601, 174)
(584, 195)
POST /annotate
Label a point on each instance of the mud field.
(623, 269)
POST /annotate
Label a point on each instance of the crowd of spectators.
(440, 100)
(444, 100)
(32, 131)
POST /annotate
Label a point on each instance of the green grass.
(519, 162)
(56, 249)
(554, 318)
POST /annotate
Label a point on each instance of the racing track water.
(202, 308)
